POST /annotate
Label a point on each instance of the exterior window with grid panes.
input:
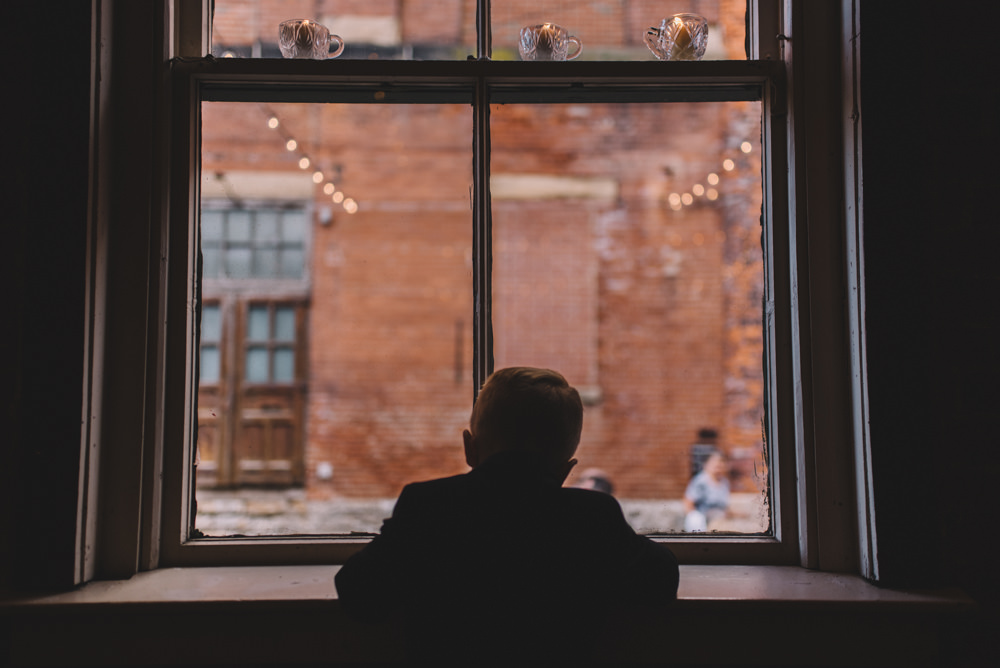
(259, 242)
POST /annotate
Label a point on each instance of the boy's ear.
(564, 471)
(471, 452)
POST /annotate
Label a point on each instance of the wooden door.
(252, 393)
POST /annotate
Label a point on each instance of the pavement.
(265, 512)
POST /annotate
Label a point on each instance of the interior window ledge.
(715, 588)
(289, 616)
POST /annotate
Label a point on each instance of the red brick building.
(337, 319)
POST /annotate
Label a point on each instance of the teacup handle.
(340, 45)
(575, 52)
(652, 38)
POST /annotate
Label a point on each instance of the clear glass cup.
(304, 38)
(679, 37)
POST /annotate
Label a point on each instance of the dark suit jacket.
(505, 564)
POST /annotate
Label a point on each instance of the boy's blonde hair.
(529, 410)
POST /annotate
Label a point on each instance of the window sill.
(177, 610)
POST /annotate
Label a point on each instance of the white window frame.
(136, 500)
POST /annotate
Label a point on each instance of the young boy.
(503, 563)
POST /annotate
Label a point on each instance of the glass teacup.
(304, 38)
(548, 41)
(679, 37)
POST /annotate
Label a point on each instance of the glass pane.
(265, 263)
(210, 262)
(265, 226)
(211, 323)
(292, 263)
(284, 323)
(238, 227)
(633, 265)
(410, 30)
(256, 371)
(238, 262)
(209, 370)
(387, 346)
(284, 365)
(293, 226)
(614, 29)
(211, 226)
(258, 324)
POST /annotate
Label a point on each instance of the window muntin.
(657, 81)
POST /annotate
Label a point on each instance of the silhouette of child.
(502, 563)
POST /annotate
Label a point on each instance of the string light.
(304, 162)
(678, 201)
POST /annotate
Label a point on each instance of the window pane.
(293, 226)
(211, 323)
(284, 323)
(209, 369)
(238, 227)
(258, 324)
(284, 365)
(265, 226)
(257, 362)
(265, 263)
(616, 29)
(411, 30)
(211, 226)
(210, 262)
(387, 347)
(633, 265)
(292, 263)
(238, 262)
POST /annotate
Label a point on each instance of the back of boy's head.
(529, 410)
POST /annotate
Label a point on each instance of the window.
(533, 250)
(253, 243)
(488, 89)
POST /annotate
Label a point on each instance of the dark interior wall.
(932, 279)
(46, 80)
(930, 238)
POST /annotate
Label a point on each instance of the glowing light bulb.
(698, 189)
(713, 179)
(304, 162)
(291, 144)
(328, 189)
(674, 199)
(338, 197)
(687, 199)
(712, 194)
(317, 177)
(728, 165)
(746, 147)
(273, 122)
(350, 206)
